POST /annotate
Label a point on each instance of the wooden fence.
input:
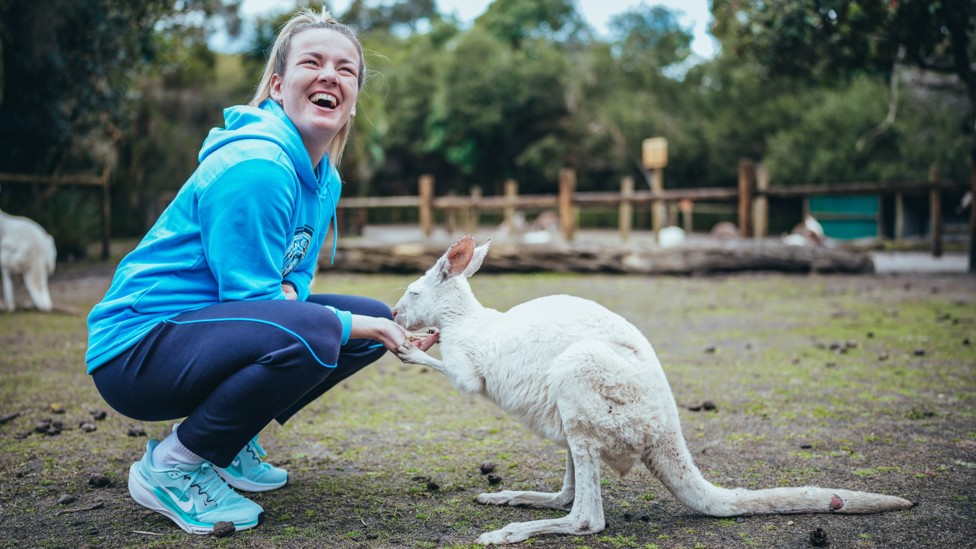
(53, 182)
(752, 196)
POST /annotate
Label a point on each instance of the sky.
(596, 12)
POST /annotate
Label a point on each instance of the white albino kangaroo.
(26, 249)
(582, 376)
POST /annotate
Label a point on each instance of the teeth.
(325, 100)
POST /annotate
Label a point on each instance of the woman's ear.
(275, 88)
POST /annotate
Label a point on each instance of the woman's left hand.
(390, 334)
(289, 291)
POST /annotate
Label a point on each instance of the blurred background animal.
(808, 233)
(27, 250)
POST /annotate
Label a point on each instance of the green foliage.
(78, 61)
(824, 40)
(843, 116)
(524, 92)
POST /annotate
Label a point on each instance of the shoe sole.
(144, 495)
(246, 485)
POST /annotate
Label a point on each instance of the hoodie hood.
(270, 123)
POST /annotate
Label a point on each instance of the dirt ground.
(859, 382)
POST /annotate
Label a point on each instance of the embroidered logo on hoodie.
(296, 252)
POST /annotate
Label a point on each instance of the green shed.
(847, 217)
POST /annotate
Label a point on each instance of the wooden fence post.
(511, 194)
(626, 211)
(747, 185)
(426, 204)
(935, 206)
(761, 207)
(899, 217)
(658, 208)
(567, 185)
(687, 208)
(474, 215)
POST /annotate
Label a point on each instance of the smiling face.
(319, 87)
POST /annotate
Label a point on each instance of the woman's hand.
(289, 291)
(389, 333)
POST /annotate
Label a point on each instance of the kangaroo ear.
(479, 256)
(456, 260)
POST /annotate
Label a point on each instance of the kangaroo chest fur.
(525, 358)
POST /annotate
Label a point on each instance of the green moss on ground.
(860, 382)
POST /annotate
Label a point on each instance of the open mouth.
(325, 100)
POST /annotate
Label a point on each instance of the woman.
(211, 318)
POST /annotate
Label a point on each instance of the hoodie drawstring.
(335, 225)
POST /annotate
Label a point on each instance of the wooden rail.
(752, 197)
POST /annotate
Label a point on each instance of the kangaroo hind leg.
(558, 500)
(586, 516)
(36, 281)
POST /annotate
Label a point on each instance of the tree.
(68, 66)
(515, 21)
(827, 38)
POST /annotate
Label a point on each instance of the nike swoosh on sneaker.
(185, 506)
(236, 462)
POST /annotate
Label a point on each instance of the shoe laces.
(208, 484)
(255, 450)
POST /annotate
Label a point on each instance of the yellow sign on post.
(654, 153)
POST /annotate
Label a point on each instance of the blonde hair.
(303, 20)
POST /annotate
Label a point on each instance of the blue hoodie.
(252, 216)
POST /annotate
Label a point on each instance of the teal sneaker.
(250, 473)
(192, 496)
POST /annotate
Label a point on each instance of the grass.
(793, 363)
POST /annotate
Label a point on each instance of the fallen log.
(698, 259)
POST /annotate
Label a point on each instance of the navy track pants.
(232, 368)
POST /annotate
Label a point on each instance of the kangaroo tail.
(671, 462)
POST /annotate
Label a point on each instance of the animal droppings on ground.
(487, 467)
(428, 482)
(818, 538)
(494, 479)
(99, 481)
(136, 432)
(630, 517)
(87, 426)
(99, 415)
(49, 427)
(708, 406)
(66, 499)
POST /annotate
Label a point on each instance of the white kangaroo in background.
(26, 249)
(582, 376)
